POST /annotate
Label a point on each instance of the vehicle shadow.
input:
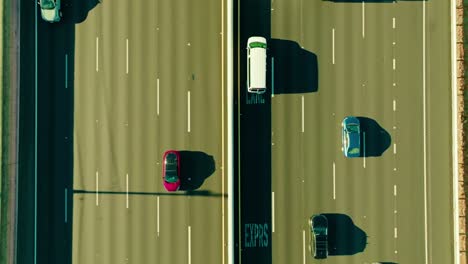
(375, 140)
(195, 167)
(344, 238)
(76, 11)
(371, 1)
(295, 70)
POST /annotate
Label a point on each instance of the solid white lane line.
(66, 204)
(394, 190)
(272, 212)
(333, 45)
(97, 54)
(394, 64)
(334, 182)
(394, 105)
(455, 129)
(303, 247)
(395, 232)
(188, 111)
(126, 56)
(157, 216)
(272, 76)
(97, 188)
(394, 148)
(393, 23)
(364, 149)
(157, 95)
(302, 114)
(426, 249)
(126, 189)
(189, 245)
(66, 70)
(363, 18)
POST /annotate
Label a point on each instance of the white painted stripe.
(189, 245)
(394, 190)
(188, 111)
(302, 114)
(66, 204)
(426, 249)
(97, 54)
(334, 182)
(126, 189)
(97, 188)
(394, 64)
(303, 247)
(333, 45)
(66, 70)
(157, 96)
(394, 23)
(394, 105)
(363, 19)
(157, 215)
(394, 148)
(364, 149)
(395, 232)
(126, 56)
(455, 129)
(273, 212)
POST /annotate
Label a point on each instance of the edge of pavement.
(9, 118)
(461, 21)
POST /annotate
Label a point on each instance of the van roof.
(257, 46)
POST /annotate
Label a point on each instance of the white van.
(256, 65)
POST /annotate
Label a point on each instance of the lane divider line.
(157, 215)
(333, 45)
(97, 188)
(189, 245)
(334, 182)
(126, 55)
(302, 98)
(66, 204)
(272, 212)
(188, 111)
(157, 96)
(97, 54)
(126, 190)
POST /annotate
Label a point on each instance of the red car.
(171, 170)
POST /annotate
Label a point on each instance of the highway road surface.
(149, 77)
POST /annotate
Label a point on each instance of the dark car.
(351, 137)
(319, 233)
(171, 170)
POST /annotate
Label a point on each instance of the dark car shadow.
(195, 167)
(295, 70)
(76, 11)
(344, 238)
(371, 1)
(375, 140)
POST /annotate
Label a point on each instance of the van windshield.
(257, 45)
(47, 4)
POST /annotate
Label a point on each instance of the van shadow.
(344, 238)
(76, 11)
(195, 167)
(375, 140)
(295, 69)
(371, 1)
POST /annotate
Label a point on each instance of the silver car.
(50, 10)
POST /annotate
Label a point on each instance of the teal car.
(351, 137)
(50, 10)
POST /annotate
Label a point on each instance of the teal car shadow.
(375, 140)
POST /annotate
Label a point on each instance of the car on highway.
(319, 233)
(50, 10)
(256, 64)
(171, 170)
(351, 137)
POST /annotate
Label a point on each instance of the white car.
(50, 10)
